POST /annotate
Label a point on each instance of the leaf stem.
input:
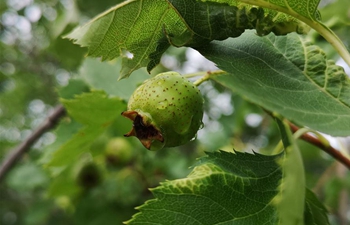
(22, 148)
(197, 74)
(338, 155)
(334, 40)
(205, 76)
(279, 147)
(318, 141)
(299, 133)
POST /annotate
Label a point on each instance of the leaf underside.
(304, 8)
(286, 75)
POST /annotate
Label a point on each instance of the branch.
(17, 152)
(328, 149)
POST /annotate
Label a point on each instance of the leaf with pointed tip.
(141, 30)
(136, 27)
(96, 111)
(287, 75)
(94, 108)
(315, 212)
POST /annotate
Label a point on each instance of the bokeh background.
(108, 182)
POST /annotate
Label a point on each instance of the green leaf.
(64, 185)
(303, 10)
(94, 108)
(129, 27)
(237, 188)
(224, 188)
(290, 200)
(157, 24)
(315, 212)
(74, 87)
(296, 8)
(65, 130)
(77, 145)
(70, 55)
(104, 76)
(286, 75)
(97, 112)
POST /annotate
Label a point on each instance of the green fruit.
(129, 186)
(119, 151)
(89, 176)
(166, 111)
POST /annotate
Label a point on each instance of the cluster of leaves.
(89, 167)
(171, 24)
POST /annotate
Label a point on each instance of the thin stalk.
(338, 155)
(22, 148)
(205, 76)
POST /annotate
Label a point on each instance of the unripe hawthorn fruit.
(89, 176)
(119, 152)
(166, 111)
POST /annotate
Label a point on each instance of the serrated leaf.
(96, 111)
(69, 54)
(315, 212)
(104, 76)
(129, 27)
(94, 108)
(230, 188)
(286, 75)
(236, 188)
(157, 24)
(224, 188)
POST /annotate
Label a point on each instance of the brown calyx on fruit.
(144, 132)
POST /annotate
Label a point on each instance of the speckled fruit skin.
(167, 111)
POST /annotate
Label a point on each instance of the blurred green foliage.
(105, 183)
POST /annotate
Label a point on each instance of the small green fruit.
(89, 176)
(166, 111)
(119, 151)
(129, 185)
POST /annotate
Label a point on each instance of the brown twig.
(328, 149)
(17, 152)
